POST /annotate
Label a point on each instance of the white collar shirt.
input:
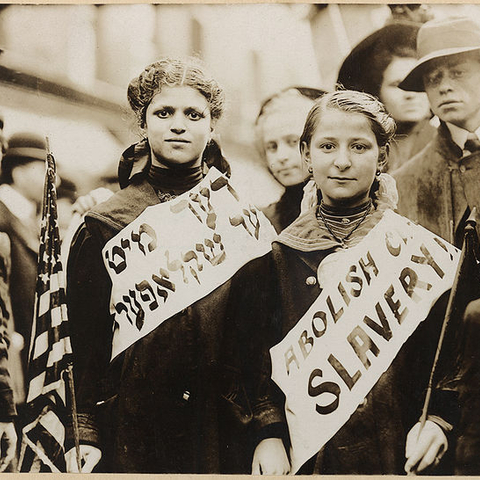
(460, 135)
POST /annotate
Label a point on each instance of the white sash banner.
(373, 297)
(177, 252)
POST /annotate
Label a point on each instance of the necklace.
(344, 221)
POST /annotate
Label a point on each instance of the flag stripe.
(50, 349)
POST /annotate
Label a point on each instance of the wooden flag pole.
(469, 229)
(73, 402)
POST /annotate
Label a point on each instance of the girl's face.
(178, 126)
(281, 131)
(343, 153)
(403, 106)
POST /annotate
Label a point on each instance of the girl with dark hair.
(278, 128)
(167, 349)
(376, 66)
(345, 143)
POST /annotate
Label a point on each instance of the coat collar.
(307, 234)
(127, 204)
(445, 145)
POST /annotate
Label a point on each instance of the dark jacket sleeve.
(443, 407)
(88, 290)
(255, 317)
(7, 404)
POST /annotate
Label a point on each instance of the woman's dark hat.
(23, 147)
(441, 38)
(355, 71)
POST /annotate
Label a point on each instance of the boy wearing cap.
(439, 186)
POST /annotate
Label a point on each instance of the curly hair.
(171, 72)
(351, 101)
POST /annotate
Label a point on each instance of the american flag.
(50, 356)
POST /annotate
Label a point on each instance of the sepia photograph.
(240, 239)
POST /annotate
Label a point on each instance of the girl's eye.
(293, 142)
(163, 113)
(358, 147)
(194, 115)
(327, 147)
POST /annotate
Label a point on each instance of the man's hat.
(23, 147)
(441, 38)
(356, 70)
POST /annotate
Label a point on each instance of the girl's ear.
(382, 157)
(305, 152)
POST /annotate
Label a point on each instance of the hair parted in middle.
(350, 101)
(284, 101)
(172, 72)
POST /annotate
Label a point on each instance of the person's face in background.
(178, 126)
(452, 84)
(343, 154)
(280, 135)
(29, 180)
(403, 106)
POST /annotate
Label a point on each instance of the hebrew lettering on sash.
(201, 207)
(213, 251)
(147, 294)
(122, 264)
(212, 216)
(175, 265)
(189, 256)
(221, 182)
(134, 307)
(119, 308)
(150, 232)
(163, 281)
(248, 220)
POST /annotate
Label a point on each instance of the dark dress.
(372, 441)
(185, 398)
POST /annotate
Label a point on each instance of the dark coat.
(187, 397)
(7, 404)
(468, 444)
(24, 244)
(373, 439)
(282, 213)
(407, 145)
(437, 188)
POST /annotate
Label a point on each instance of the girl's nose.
(342, 159)
(177, 125)
(281, 155)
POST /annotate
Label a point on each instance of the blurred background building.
(64, 69)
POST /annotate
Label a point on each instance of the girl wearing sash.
(345, 144)
(277, 129)
(185, 396)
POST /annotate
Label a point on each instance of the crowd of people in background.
(192, 391)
